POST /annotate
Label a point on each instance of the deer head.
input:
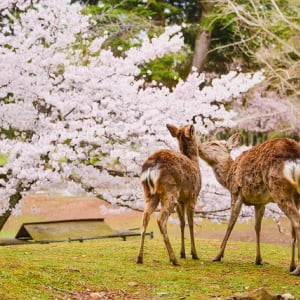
(186, 138)
(215, 151)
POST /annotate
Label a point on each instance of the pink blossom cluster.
(73, 114)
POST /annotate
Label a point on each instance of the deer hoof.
(195, 257)
(296, 272)
(292, 267)
(218, 258)
(139, 260)
(175, 262)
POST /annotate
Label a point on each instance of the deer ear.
(173, 130)
(234, 141)
(192, 130)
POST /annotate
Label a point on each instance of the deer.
(173, 180)
(268, 172)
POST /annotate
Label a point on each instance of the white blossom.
(80, 118)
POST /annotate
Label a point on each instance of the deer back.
(264, 167)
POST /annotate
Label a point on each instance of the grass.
(75, 270)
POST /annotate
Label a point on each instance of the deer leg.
(181, 216)
(294, 239)
(190, 217)
(293, 263)
(235, 211)
(165, 212)
(151, 205)
(259, 213)
(291, 211)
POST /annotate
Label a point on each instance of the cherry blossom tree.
(74, 115)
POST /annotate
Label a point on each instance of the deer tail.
(291, 172)
(150, 176)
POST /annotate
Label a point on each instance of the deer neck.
(192, 154)
(222, 169)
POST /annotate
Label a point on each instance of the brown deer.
(269, 172)
(173, 180)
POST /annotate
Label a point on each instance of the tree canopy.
(75, 114)
(250, 34)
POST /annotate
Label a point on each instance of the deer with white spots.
(269, 172)
(172, 179)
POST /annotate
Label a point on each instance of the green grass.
(71, 270)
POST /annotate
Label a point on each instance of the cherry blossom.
(74, 115)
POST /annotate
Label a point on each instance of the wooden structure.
(70, 230)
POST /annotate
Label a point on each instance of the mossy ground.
(68, 270)
(108, 266)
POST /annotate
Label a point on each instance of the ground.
(48, 208)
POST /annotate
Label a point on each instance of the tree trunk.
(13, 201)
(202, 43)
(203, 38)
